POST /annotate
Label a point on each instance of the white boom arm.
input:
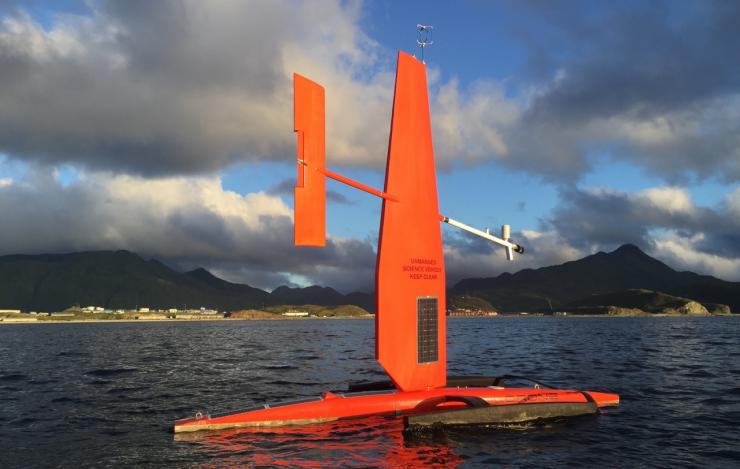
(504, 241)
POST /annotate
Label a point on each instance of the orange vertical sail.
(410, 275)
(310, 189)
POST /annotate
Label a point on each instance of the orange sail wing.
(410, 278)
(310, 189)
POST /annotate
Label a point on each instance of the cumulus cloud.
(186, 222)
(181, 87)
(685, 253)
(672, 107)
(732, 202)
(472, 125)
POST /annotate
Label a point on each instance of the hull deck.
(335, 406)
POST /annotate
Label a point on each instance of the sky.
(166, 128)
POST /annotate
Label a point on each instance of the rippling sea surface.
(107, 394)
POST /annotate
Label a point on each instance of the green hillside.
(114, 280)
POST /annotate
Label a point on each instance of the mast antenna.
(424, 37)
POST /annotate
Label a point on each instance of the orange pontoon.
(410, 287)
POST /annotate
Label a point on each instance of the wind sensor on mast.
(424, 37)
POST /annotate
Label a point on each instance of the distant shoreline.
(4, 321)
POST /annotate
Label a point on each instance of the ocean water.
(106, 395)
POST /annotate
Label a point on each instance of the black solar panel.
(426, 329)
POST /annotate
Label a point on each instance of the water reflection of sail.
(367, 442)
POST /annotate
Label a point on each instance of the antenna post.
(424, 37)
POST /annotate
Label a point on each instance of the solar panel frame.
(427, 329)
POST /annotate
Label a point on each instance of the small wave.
(100, 382)
(291, 383)
(700, 374)
(42, 382)
(125, 390)
(109, 372)
(717, 343)
(65, 399)
(650, 391)
(71, 354)
(23, 422)
(279, 367)
(730, 455)
(715, 401)
(13, 377)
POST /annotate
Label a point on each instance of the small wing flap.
(310, 189)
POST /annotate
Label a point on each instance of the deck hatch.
(427, 329)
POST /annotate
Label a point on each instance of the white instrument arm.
(504, 241)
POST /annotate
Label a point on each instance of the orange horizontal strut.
(356, 185)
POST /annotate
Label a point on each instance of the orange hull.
(332, 406)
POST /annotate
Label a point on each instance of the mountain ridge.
(113, 279)
(627, 267)
(123, 279)
(325, 296)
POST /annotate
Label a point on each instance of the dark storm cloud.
(603, 218)
(609, 218)
(120, 91)
(651, 82)
(190, 47)
(646, 59)
(169, 87)
(187, 87)
(286, 187)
